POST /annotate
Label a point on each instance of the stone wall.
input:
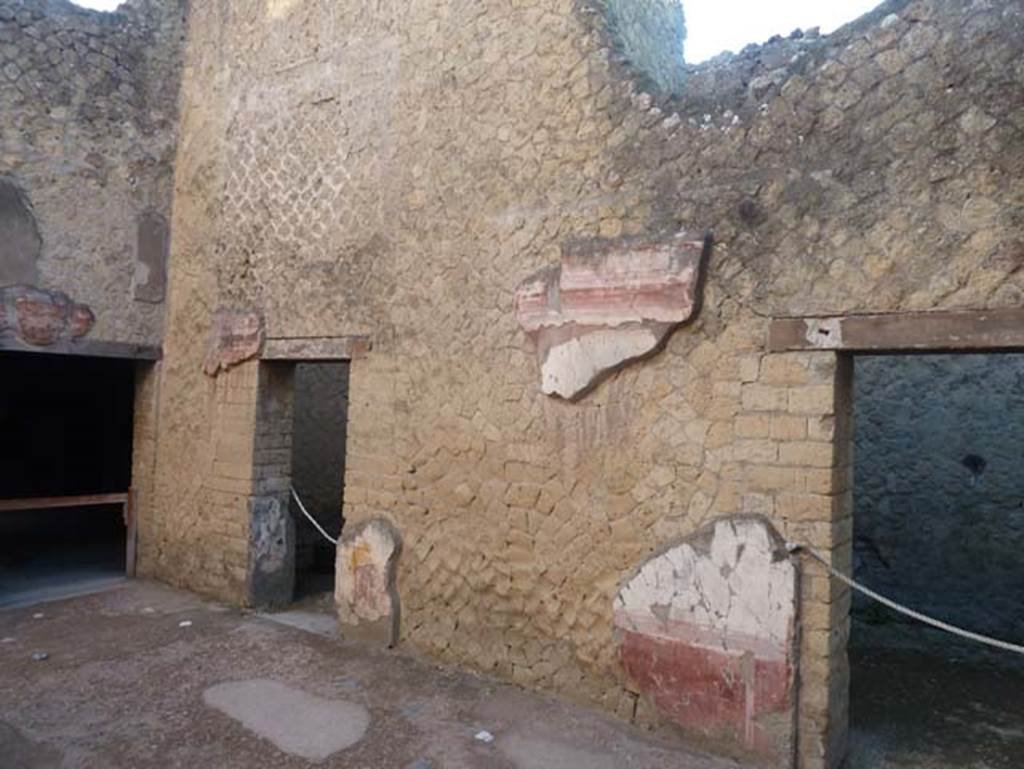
(397, 170)
(649, 36)
(88, 119)
(939, 496)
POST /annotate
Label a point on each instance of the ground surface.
(922, 700)
(125, 685)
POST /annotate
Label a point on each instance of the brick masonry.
(365, 170)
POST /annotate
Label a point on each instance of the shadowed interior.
(66, 424)
(938, 526)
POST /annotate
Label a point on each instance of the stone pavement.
(126, 684)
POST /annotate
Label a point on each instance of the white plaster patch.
(824, 333)
(310, 621)
(736, 595)
(278, 8)
(141, 273)
(298, 723)
(571, 366)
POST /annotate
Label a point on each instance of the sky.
(98, 5)
(714, 26)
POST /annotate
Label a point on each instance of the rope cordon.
(794, 547)
(312, 520)
(852, 583)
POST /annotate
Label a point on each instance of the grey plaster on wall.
(939, 486)
(271, 553)
(152, 243)
(88, 128)
(20, 242)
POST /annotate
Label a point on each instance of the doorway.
(320, 418)
(939, 527)
(66, 457)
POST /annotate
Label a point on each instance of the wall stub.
(365, 593)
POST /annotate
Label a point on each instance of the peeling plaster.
(608, 303)
(708, 629)
(365, 593)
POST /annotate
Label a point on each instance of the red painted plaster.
(42, 318)
(724, 696)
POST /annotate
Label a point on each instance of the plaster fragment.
(41, 318)
(365, 593)
(609, 302)
(20, 241)
(236, 336)
(707, 630)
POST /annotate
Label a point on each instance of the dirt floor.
(127, 682)
(919, 699)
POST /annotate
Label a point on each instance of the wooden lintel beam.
(85, 348)
(315, 348)
(44, 503)
(917, 331)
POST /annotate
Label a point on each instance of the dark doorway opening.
(939, 527)
(65, 431)
(320, 414)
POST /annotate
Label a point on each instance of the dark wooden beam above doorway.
(894, 332)
(315, 348)
(85, 348)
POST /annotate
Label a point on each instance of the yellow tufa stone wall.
(397, 169)
(207, 548)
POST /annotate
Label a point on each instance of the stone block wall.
(145, 434)
(88, 120)
(271, 570)
(208, 547)
(791, 461)
(939, 493)
(433, 157)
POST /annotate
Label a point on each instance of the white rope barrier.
(312, 520)
(936, 623)
(797, 548)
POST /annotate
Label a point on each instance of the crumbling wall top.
(649, 35)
